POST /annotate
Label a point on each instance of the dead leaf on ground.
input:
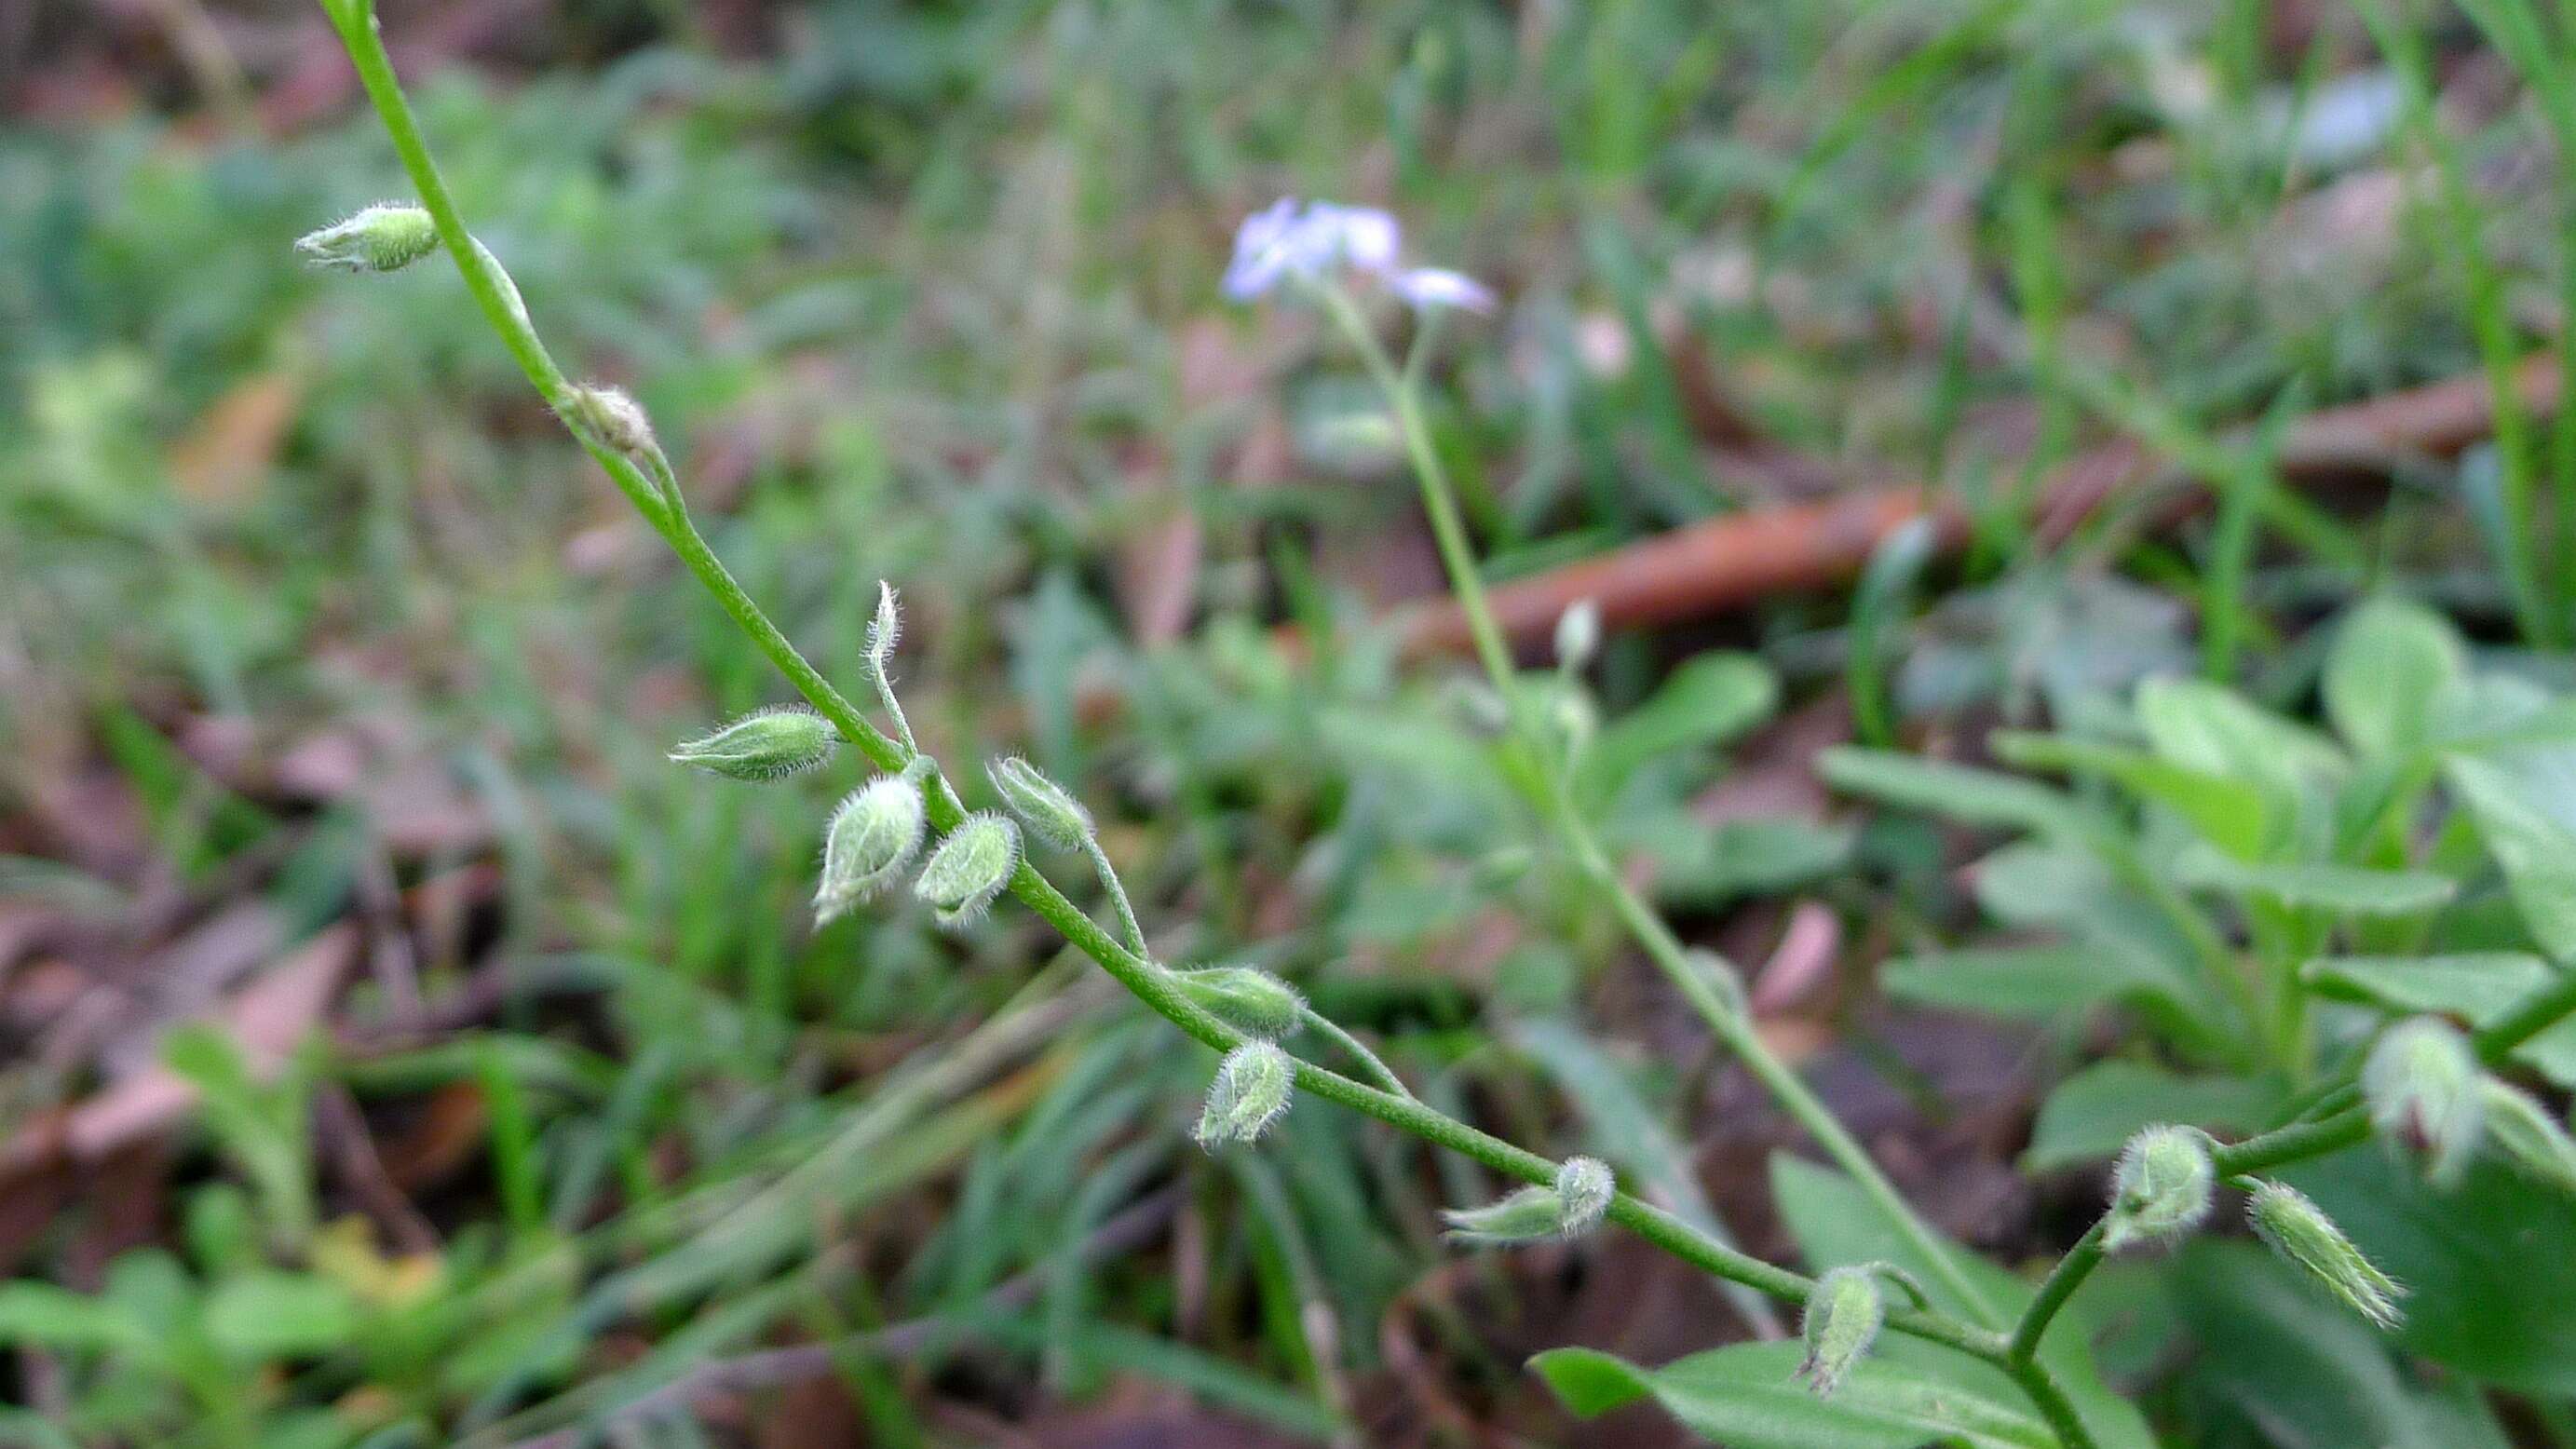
(221, 459)
(266, 1018)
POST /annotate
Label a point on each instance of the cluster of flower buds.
(2166, 1180)
(1570, 1207)
(2431, 1099)
(1309, 241)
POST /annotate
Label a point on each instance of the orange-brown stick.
(1740, 557)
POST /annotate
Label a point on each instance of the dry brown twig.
(1733, 560)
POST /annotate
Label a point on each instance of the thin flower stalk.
(1723, 1012)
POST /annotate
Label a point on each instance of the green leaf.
(268, 1314)
(2536, 852)
(45, 1316)
(1709, 700)
(2094, 1113)
(2033, 884)
(2042, 883)
(2229, 813)
(2390, 664)
(2489, 1265)
(2216, 731)
(1750, 856)
(1591, 1383)
(2347, 890)
(2027, 982)
(1959, 792)
(2299, 1371)
(1743, 1396)
(2478, 986)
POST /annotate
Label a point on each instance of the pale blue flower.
(1424, 288)
(1306, 240)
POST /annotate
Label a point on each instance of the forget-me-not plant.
(914, 812)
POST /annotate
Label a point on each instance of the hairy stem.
(2063, 1280)
(1117, 890)
(1372, 1065)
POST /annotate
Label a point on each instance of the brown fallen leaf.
(1802, 961)
(266, 1018)
(222, 458)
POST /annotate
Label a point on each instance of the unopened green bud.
(1574, 718)
(970, 867)
(617, 422)
(873, 836)
(2527, 1135)
(2421, 1080)
(1578, 635)
(381, 238)
(762, 745)
(2162, 1187)
(885, 630)
(1245, 999)
(1251, 1090)
(1842, 1320)
(1573, 1206)
(1523, 1215)
(2299, 1230)
(1045, 807)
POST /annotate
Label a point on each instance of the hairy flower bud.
(2527, 1135)
(970, 868)
(1245, 999)
(1584, 1188)
(1048, 810)
(884, 631)
(873, 836)
(762, 745)
(1578, 634)
(2161, 1187)
(1843, 1318)
(1251, 1090)
(2299, 1230)
(1572, 1207)
(2421, 1080)
(380, 238)
(1523, 1215)
(617, 422)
